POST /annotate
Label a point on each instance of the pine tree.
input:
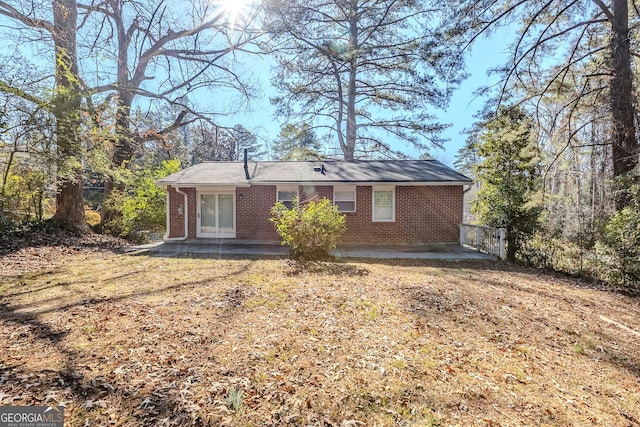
(362, 71)
(243, 139)
(509, 175)
(583, 45)
(296, 143)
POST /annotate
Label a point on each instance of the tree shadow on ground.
(616, 351)
(332, 268)
(220, 256)
(50, 236)
(90, 393)
(435, 263)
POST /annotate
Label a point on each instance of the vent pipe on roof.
(246, 166)
(321, 169)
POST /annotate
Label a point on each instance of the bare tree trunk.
(70, 198)
(122, 150)
(351, 115)
(352, 130)
(625, 145)
(5, 175)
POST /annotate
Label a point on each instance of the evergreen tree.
(509, 175)
(363, 71)
(242, 138)
(581, 50)
(297, 143)
(620, 238)
(467, 158)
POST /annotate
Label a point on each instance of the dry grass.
(138, 340)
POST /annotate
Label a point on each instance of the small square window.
(286, 196)
(345, 199)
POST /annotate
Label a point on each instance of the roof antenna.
(246, 166)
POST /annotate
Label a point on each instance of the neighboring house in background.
(391, 202)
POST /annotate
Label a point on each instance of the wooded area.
(97, 97)
(571, 73)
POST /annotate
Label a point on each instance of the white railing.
(489, 240)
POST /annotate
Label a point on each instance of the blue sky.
(259, 118)
(486, 54)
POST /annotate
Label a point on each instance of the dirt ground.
(133, 340)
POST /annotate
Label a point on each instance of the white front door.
(216, 215)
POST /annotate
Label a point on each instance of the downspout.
(186, 219)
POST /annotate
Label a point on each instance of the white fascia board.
(366, 183)
(206, 185)
(223, 188)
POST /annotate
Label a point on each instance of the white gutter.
(367, 183)
(243, 184)
(186, 219)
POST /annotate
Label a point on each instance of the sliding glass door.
(216, 215)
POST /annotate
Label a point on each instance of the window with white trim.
(384, 204)
(286, 195)
(345, 198)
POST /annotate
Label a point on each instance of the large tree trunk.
(122, 151)
(352, 132)
(123, 147)
(625, 145)
(69, 199)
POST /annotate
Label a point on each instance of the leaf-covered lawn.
(139, 340)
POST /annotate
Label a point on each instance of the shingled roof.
(321, 171)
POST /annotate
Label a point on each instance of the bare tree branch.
(8, 10)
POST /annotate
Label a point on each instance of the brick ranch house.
(391, 202)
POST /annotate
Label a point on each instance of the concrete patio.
(226, 247)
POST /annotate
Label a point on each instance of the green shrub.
(310, 229)
(541, 251)
(23, 195)
(140, 208)
(93, 217)
(554, 252)
(620, 242)
(620, 239)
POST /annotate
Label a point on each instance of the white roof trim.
(365, 183)
(319, 183)
(208, 184)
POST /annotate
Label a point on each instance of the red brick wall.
(176, 218)
(191, 192)
(424, 214)
(176, 213)
(253, 209)
(253, 206)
